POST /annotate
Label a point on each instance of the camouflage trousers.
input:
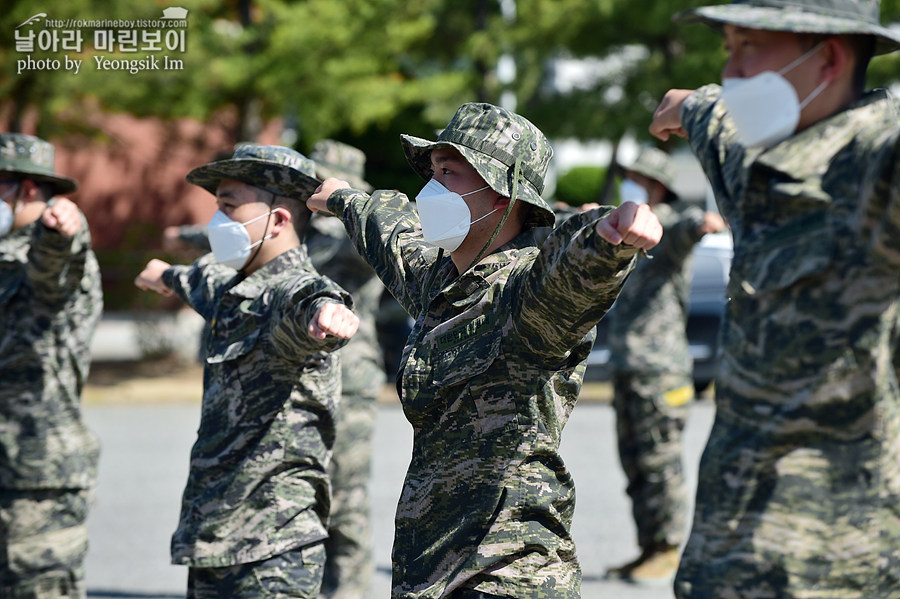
(296, 573)
(650, 415)
(349, 565)
(45, 541)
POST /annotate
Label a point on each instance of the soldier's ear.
(29, 191)
(838, 59)
(281, 218)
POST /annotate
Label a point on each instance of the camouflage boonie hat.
(839, 17)
(276, 169)
(492, 139)
(655, 164)
(32, 157)
(342, 161)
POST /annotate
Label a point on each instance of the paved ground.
(147, 423)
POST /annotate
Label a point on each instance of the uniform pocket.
(238, 344)
(466, 360)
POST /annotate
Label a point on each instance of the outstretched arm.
(62, 216)
(318, 201)
(333, 319)
(631, 224)
(150, 279)
(667, 118)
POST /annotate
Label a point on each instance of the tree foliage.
(353, 68)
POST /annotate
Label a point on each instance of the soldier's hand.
(631, 224)
(63, 216)
(712, 223)
(333, 319)
(667, 118)
(150, 278)
(318, 201)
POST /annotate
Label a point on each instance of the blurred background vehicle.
(712, 261)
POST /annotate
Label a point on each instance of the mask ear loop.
(506, 213)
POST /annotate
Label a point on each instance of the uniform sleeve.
(385, 230)
(291, 333)
(575, 280)
(194, 235)
(56, 263)
(199, 285)
(713, 140)
(682, 235)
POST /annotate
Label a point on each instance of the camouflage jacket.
(332, 254)
(50, 304)
(257, 485)
(647, 323)
(489, 378)
(800, 480)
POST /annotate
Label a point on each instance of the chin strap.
(509, 207)
(432, 275)
(264, 237)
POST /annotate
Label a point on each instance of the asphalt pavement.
(144, 466)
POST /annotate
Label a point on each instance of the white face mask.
(230, 241)
(7, 215)
(444, 215)
(765, 108)
(631, 191)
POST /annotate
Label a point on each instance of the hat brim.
(270, 176)
(798, 21)
(647, 172)
(324, 172)
(495, 173)
(58, 183)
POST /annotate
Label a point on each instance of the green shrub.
(581, 185)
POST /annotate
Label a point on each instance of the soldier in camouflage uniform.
(349, 565)
(50, 303)
(497, 354)
(799, 485)
(652, 370)
(255, 507)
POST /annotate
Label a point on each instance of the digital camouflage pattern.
(294, 573)
(32, 157)
(801, 16)
(652, 376)
(257, 484)
(276, 169)
(349, 566)
(50, 304)
(497, 143)
(490, 375)
(799, 485)
(647, 325)
(45, 542)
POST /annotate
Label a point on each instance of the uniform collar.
(481, 276)
(827, 136)
(259, 281)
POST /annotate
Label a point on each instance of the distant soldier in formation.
(496, 357)
(799, 485)
(652, 369)
(50, 304)
(255, 508)
(349, 565)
